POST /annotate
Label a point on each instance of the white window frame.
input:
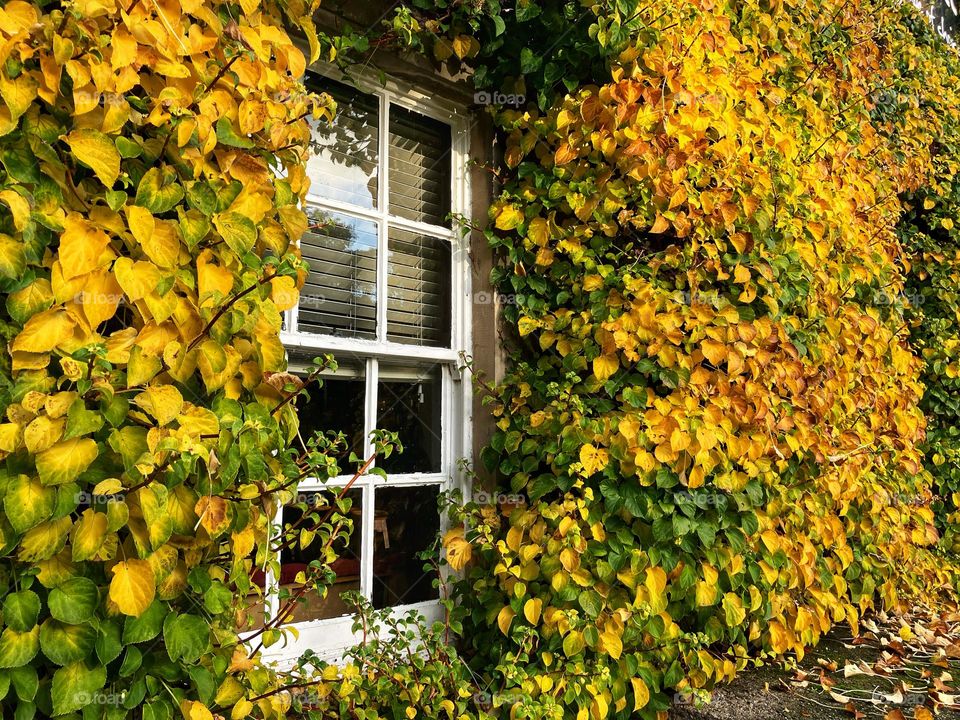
(330, 638)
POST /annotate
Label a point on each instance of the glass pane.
(343, 164)
(418, 289)
(347, 565)
(420, 164)
(406, 523)
(408, 403)
(336, 405)
(340, 295)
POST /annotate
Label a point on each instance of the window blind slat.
(418, 289)
(340, 294)
(419, 167)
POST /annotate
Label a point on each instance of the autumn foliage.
(147, 251)
(714, 408)
(733, 422)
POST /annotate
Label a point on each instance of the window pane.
(344, 153)
(406, 523)
(346, 566)
(340, 295)
(418, 289)
(408, 403)
(420, 163)
(337, 405)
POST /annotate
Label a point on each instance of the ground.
(900, 668)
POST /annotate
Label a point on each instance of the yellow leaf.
(604, 366)
(163, 402)
(527, 325)
(97, 151)
(64, 462)
(661, 224)
(459, 550)
(19, 208)
(133, 587)
(532, 609)
(462, 45)
(88, 535)
(612, 644)
(641, 693)
(212, 511)
(82, 246)
(538, 231)
(504, 618)
(593, 459)
(509, 217)
(193, 710)
(714, 351)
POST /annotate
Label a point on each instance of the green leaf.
(25, 682)
(75, 601)
(237, 231)
(226, 135)
(21, 609)
(186, 637)
(108, 643)
(74, 686)
(147, 626)
(64, 644)
(158, 192)
(81, 421)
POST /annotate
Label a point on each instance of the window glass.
(420, 164)
(409, 404)
(336, 405)
(344, 161)
(347, 566)
(406, 523)
(340, 294)
(418, 289)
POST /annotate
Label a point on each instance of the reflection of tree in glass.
(943, 16)
(344, 164)
(340, 294)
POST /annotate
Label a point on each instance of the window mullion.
(382, 202)
(368, 509)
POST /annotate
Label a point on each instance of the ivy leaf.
(97, 151)
(74, 685)
(21, 610)
(133, 587)
(74, 601)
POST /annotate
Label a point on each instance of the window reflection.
(340, 293)
(344, 163)
(336, 405)
(346, 567)
(409, 404)
(407, 523)
(420, 167)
